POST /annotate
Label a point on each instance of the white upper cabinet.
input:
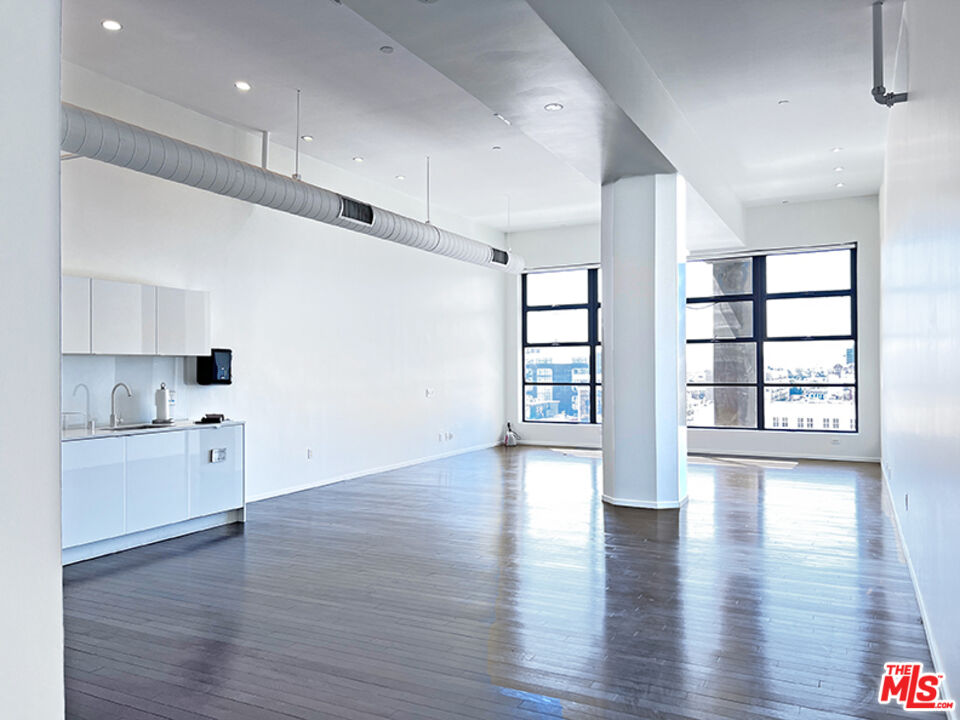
(183, 322)
(106, 317)
(124, 318)
(75, 315)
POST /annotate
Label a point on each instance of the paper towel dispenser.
(217, 368)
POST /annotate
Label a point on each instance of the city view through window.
(771, 343)
(562, 356)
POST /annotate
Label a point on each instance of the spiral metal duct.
(89, 134)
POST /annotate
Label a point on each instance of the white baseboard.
(783, 455)
(716, 453)
(927, 628)
(564, 444)
(79, 553)
(368, 471)
(647, 504)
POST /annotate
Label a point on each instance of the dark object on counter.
(217, 369)
(211, 419)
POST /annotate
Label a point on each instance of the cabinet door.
(156, 491)
(124, 318)
(75, 315)
(183, 322)
(216, 470)
(92, 487)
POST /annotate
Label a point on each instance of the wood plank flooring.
(498, 585)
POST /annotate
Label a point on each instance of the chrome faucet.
(114, 418)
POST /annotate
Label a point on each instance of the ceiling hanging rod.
(264, 148)
(428, 190)
(296, 161)
(879, 92)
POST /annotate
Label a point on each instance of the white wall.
(921, 319)
(768, 227)
(31, 618)
(336, 335)
(820, 223)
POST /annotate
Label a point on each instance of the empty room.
(468, 359)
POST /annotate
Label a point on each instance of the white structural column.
(31, 616)
(644, 422)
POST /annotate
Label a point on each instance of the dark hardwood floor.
(498, 585)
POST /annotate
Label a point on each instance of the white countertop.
(138, 429)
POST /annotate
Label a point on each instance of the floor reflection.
(499, 585)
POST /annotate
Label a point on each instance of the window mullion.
(856, 342)
(760, 329)
(593, 335)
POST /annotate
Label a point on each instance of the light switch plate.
(218, 455)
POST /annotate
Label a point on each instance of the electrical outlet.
(309, 453)
(835, 441)
(428, 393)
(439, 437)
(906, 501)
(449, 436)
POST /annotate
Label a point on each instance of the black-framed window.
(562, 356)
(772, 342)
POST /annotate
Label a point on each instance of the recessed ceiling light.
(784, 202)
(429, 2)
(496, 148)
(839, 185)
(401, 177)
(838, 168)
(836, 149)
(783, 102)
(387, 49)
(357, 159)
(111, 25)
(501, 118)
(553, 107)
(242, 85)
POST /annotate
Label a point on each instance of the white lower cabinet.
(120, 486)
(216, 469)
(157, 482)
(92, 480)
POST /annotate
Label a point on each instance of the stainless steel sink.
(123, 428)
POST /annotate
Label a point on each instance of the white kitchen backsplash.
(143, 376)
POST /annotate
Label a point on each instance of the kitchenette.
(137, 363)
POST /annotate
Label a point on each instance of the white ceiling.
(726, 64)
(393, 110)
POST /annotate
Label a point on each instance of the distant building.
(566, 401)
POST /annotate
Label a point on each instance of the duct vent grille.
(356, 211)
(500, 257)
